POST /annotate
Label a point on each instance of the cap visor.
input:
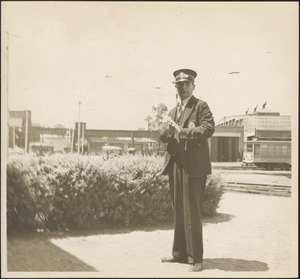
(182, 80)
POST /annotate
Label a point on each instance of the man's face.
(185, 89)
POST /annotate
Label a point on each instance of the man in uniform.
(187, 164)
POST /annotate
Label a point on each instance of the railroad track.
(265, 189)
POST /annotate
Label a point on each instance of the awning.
(15, 122)
(110, 147)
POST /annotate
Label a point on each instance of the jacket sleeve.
(206, 126)
(164, 133)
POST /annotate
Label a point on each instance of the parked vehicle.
(111, 151)
(131, 150)
(268, 154)
(42, 149)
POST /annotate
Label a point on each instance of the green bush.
(60, 192)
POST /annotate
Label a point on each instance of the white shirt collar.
(185, 101)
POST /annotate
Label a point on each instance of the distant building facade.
(266, 136)
(234, 136)
(20, 129)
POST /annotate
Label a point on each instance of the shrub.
(20, 202)
(213, 194)
(60, 192)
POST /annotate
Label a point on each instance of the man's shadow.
(229, 264)
(217, 218)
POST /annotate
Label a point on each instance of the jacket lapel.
(173, 113)
(189, 109)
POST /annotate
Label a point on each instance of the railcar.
(268, 154)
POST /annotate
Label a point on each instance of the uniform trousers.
(188, 197)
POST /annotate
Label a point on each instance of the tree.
(155, 119)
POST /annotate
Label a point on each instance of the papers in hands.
(167, 119)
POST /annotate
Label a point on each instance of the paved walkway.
(253, 238)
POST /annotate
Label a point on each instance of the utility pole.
(82, 144)
(8, 35)
(72, 140)
(7, 72)
(78, 149)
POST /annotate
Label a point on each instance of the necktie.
(180, 110)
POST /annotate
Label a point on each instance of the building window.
(249, 147)
(256, 149)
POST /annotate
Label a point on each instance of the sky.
(118, 58)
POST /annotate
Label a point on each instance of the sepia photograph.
(149, 139)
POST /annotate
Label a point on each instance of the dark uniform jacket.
(190, 150)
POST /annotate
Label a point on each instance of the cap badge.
(182, 75)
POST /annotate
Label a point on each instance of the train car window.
(264, 149)
(278, 149)
(288, 150)
(271, 149)
(256, 149)
(284, 150)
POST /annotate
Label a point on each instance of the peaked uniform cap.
(184, 75)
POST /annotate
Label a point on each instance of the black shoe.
(196, 267)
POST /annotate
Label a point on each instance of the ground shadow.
(113, 230)
(35, 253)
(229, 264)
(218, 218)
(168, 225)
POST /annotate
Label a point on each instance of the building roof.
(260, 122)
(111, 147)
(123, 139)
(260, 113)
(265, 111)
(228, 118)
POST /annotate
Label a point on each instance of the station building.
(266, 136)
(233, 137)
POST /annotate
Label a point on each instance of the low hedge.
(61, 192)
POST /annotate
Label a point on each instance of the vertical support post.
(26, 132)
(132, 139)
(78, 143)
(82, 144)
(14, 137)
(72, 140)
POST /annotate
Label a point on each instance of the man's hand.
(171, 122)
(174, 131)
(173, 128)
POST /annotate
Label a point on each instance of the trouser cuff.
(178, 255)
(194, 261)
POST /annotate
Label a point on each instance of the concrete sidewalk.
(253, 238)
